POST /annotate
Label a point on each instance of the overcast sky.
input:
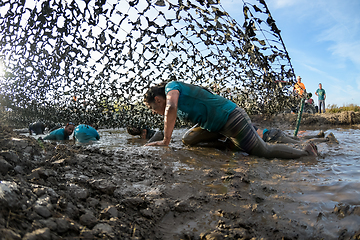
(323, 41)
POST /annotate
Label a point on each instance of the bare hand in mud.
(158, 143)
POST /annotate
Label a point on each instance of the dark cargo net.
(92, 61)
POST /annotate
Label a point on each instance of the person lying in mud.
(145, 133)
(196, 136)
(214, 115)
(61, 133)
(37, 128)
(277, 136)
(85, 133)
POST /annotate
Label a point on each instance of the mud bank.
(314, 120)
(64, 191)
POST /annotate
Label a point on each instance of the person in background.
(229, 94)
(61, 133)
(37, 128)
(320, 92)
(216, 90)
(84, 133)
(215, 115)
(145, 133)
(299, 87)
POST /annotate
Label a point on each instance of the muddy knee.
(189, 141)
(192, 138)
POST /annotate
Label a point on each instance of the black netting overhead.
(91, 61)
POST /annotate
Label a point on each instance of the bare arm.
(169, 118)
(260, 132)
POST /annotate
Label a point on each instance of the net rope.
(91, 61)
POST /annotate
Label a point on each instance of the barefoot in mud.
(321, 134)
(311, 148)
(331, 138)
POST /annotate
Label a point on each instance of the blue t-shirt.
(58, 134)
(321, 94)
(198, 105)
(84, 133)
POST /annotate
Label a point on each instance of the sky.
(322, 38)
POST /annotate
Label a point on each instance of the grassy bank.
(335, 109)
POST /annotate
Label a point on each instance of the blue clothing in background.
(198, 105)
(321, 94)
(85, 133)
(58, 134)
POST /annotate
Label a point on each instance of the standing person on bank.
(320, 92)
(299, 87)
(214, 114)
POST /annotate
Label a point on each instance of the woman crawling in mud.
(215, 116)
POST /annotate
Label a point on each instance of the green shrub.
(335, 109)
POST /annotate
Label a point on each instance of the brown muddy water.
(317, 196)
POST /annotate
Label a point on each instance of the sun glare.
(1, 70)
(2, 73)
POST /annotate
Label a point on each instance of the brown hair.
(133, 130)
(157, 90)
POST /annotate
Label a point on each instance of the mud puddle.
(119, 189)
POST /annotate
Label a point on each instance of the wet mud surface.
(65, 191)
